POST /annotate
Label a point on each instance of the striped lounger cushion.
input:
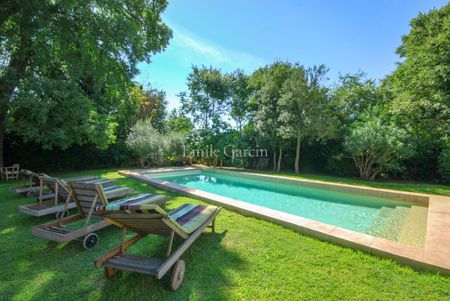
(135, 203)
(190, 216)
(97, 181)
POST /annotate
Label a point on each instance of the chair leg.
(169, 247)
(110, 272)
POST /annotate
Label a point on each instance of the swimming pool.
(407, 227)
(361, 213)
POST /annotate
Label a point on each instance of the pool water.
(351, 211)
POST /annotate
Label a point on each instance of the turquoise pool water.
(350, 211)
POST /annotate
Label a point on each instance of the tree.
(266, 84)
(152, 146)
(352, 96)
(239, 98)
(177, 122)
(305, 108)
(208, 93)
(154, 107)
(145, 141)
(91, 49)
(376, 144)
(420, 86)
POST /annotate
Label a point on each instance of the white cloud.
(215, 54)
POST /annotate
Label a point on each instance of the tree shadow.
(207, 266)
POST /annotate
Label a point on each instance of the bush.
(152, 147)
(376, 146)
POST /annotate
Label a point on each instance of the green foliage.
(420, 86)
(58, 113)
(177, 122)
(352, 96)
(154, 107)
(377, 145)
(266, 84)
(208, 93)
(239, 98)
(305, 108)
(151, 146)
(145, 141)
(73, 49)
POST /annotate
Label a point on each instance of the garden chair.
(10, 172)
(84, 224)
(187, 221)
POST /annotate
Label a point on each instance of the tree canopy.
(72, 56)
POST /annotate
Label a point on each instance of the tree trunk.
(274, 159)
(8, 84)
(14, 72)
(279, 159)
(297, 154)
(2, 135)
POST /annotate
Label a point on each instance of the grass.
(248, 259)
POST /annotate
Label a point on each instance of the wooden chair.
(187, 221)
(86, 197)
(10, 173)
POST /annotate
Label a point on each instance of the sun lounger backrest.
(55, 185)
(87, 196)
(147, 223)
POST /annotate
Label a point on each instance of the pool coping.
(434, 257)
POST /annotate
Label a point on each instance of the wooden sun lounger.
(86, 197)
(152, 222)
(34, 186)
(59, 191)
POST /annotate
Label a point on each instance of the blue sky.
(347, 36)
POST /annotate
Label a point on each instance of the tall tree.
(154, 107)
(239, 98)
(266, 84)
(88, 47)
(179, 123)
(420, 86)
(207, 96)
(305, 108)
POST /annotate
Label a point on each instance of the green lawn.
(248, 259)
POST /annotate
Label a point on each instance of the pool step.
(378, 224)
(415, 227)
(389, 223)
(394, 225)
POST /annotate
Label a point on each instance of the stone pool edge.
(434, 257)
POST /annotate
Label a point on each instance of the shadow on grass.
(36, 269)
(207, 263)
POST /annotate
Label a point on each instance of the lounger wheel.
(90, 241)
(177, 275)
(64, 214)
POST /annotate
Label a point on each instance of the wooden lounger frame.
(50, 203)
(144, 224)
(86, 197)
(34, 187)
